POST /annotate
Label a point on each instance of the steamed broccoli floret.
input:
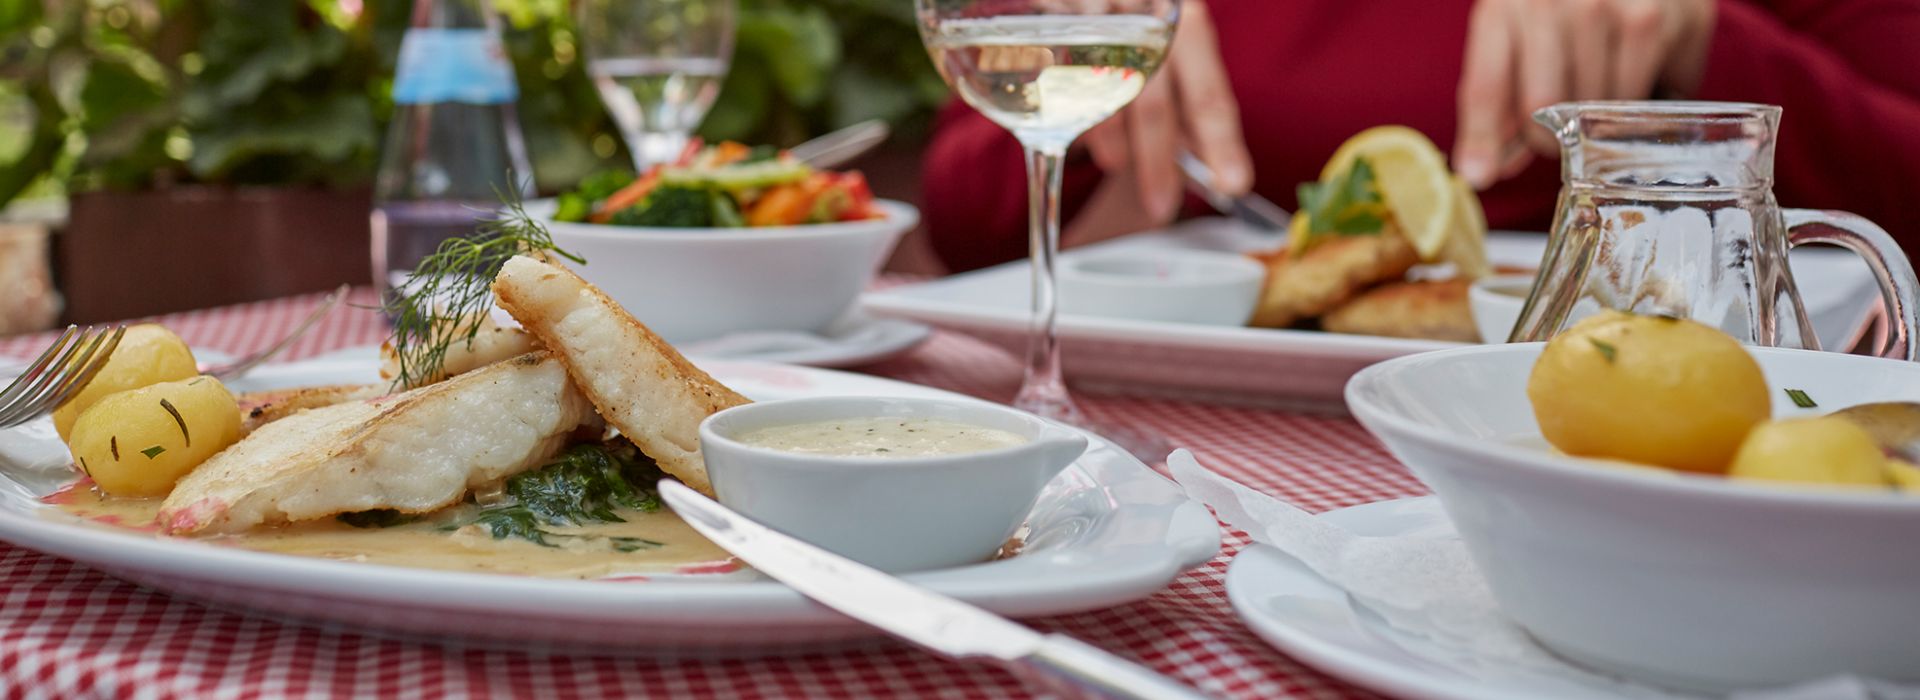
(603, 184)
(670, 206)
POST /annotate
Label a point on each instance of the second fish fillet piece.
(642, 386)
(414, 452)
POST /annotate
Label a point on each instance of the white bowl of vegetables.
(730, 239)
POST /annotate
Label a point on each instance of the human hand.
(1526, 54)
(1188, 103)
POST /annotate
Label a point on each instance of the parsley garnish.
(153, 451)
(1606, 349)
(1801, 399)
(1349, 205)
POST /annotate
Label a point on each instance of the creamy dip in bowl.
(897, 484)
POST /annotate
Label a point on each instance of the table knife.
(1255, 210)
(840, 146)
(945, 626)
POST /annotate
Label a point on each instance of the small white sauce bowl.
(1496, 302)
(893, 514)
(1177, 286)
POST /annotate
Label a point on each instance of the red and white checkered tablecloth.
(67, 630)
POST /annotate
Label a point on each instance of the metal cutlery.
(245, 364)
(60, 372)
(940, 624)
(840, 146)
(1255, 210)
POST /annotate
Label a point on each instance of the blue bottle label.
(453, 65)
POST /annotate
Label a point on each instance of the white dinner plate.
(1314, 621)
(1107, 531)
(1275, 367)
(855, 340)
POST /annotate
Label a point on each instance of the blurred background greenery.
(145, 94)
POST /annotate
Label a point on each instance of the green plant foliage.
(147, 93)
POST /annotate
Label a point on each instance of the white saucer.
(1310, 619)
(854, 340)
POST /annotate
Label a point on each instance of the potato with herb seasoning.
(140, 442)
(1653, 390)
(1824, 450)
(148, 354)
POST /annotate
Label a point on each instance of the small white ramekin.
(1177, 286)
(893, 514)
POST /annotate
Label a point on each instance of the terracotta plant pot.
(131, 254)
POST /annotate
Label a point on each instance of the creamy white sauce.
(882, 437)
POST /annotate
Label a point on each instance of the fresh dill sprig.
(448, 293)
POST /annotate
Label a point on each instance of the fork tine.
(89, 365)
(72, 363)
(33, 370)
(19, 394)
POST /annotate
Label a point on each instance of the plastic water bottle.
(454, 147)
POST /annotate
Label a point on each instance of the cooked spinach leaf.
(370, 519)
(583, 486)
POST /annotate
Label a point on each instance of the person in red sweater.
(1265, 90)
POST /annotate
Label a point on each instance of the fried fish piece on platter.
(413, 452)
(1428, 310)
(642, 386)
(1329, 274)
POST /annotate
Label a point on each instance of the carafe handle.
(1898, 286)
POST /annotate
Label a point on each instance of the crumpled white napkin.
(1426, 589)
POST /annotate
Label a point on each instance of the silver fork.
(245, 364)
(58, 373)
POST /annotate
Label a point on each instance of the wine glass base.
(1053, 403)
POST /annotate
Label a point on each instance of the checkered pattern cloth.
(67, 630)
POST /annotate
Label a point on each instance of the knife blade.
(935, 622)
(840, 146)
(1255, 210)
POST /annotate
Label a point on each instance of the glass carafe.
(1667, 208)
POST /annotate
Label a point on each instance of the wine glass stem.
(1044, 392)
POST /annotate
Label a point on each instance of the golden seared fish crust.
(415, 452)
(1436, 310)
(259, 408)
(642, 386)
(1329, 274)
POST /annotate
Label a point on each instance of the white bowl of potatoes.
(1718, 534)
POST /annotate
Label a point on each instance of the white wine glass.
(658, 65)
(1049, 70)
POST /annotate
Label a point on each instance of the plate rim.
(1352, 667)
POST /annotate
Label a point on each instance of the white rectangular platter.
(1296, 369)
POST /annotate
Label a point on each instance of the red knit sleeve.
(1847, 140)
(974, 190)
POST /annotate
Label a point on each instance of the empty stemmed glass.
(1048, 70)
(658, 65)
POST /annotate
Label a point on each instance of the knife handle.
(1077, 669)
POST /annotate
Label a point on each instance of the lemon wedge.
(1413, 179)
(1466, 247)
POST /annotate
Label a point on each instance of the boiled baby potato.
(140, 442)
(1903, 475)
(1648, 389)
(1824, 450)
(147, 354)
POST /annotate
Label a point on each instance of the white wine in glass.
(658, 65)
(1048, 70)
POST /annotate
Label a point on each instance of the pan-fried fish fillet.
(1329, 274)
(642, 386)
(414, 452)
(491, 343)
(1433, 310)
(259, 408)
